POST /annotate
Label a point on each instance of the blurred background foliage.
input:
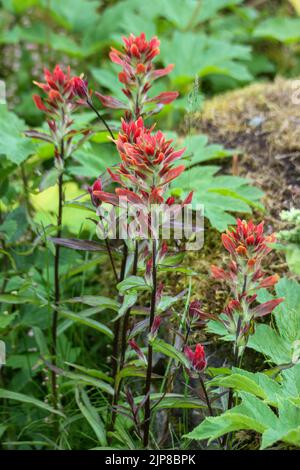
(226, 43)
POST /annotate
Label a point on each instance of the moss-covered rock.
(263, 121)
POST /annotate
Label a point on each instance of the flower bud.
(197, 359)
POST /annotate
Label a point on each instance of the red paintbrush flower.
(97, 187)
(80, 87)
(247, 240)
(59, 103)
(138, 73)
(58, 88)
(197, 358)
(147, 157)
(247, 246)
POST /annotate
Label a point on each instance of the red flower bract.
(58, 87)
(137, 75)
(247, 240)
(137, 50)
(197, 358)
(147, 157)
(79, 87)
(61, 89)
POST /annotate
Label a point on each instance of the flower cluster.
(147, 162)
(144, 174)
(247, 246)
(62, 93)
(61, 90)
(137, 75)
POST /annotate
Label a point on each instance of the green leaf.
(268, 342)
(129, 301)
(161, 346)
(6, 320)
(96, 301)
(252, 414)
(172, 400)
(219, 194)
(196, 53)
(132, 282)
(91, 415)
(77, 318)
(133, 371)
(13, 143)
(92, 372)
(241, 383)
(283, 29)
(9, 395)
(75, 16)
(166, 302)
(87, 380)
(198, 150)
(18, 299)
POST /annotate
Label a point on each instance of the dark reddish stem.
(56, 284)
(123, 343)
(100, 117)
(147, 416)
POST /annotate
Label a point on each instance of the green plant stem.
(26, 191)
(236, 359)
(147, 414)
(194, 16)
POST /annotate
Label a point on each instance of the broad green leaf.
(196, 53)
(198, 150)
(287, 427)
(241, 383)
(6, 320)
(220, 195)
(73, 15)
(252, 414)
(14, 145)
(268, 342)
(283, 29)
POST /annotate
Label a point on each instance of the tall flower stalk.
(60, 103)
(137, 75)
(247, 247)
